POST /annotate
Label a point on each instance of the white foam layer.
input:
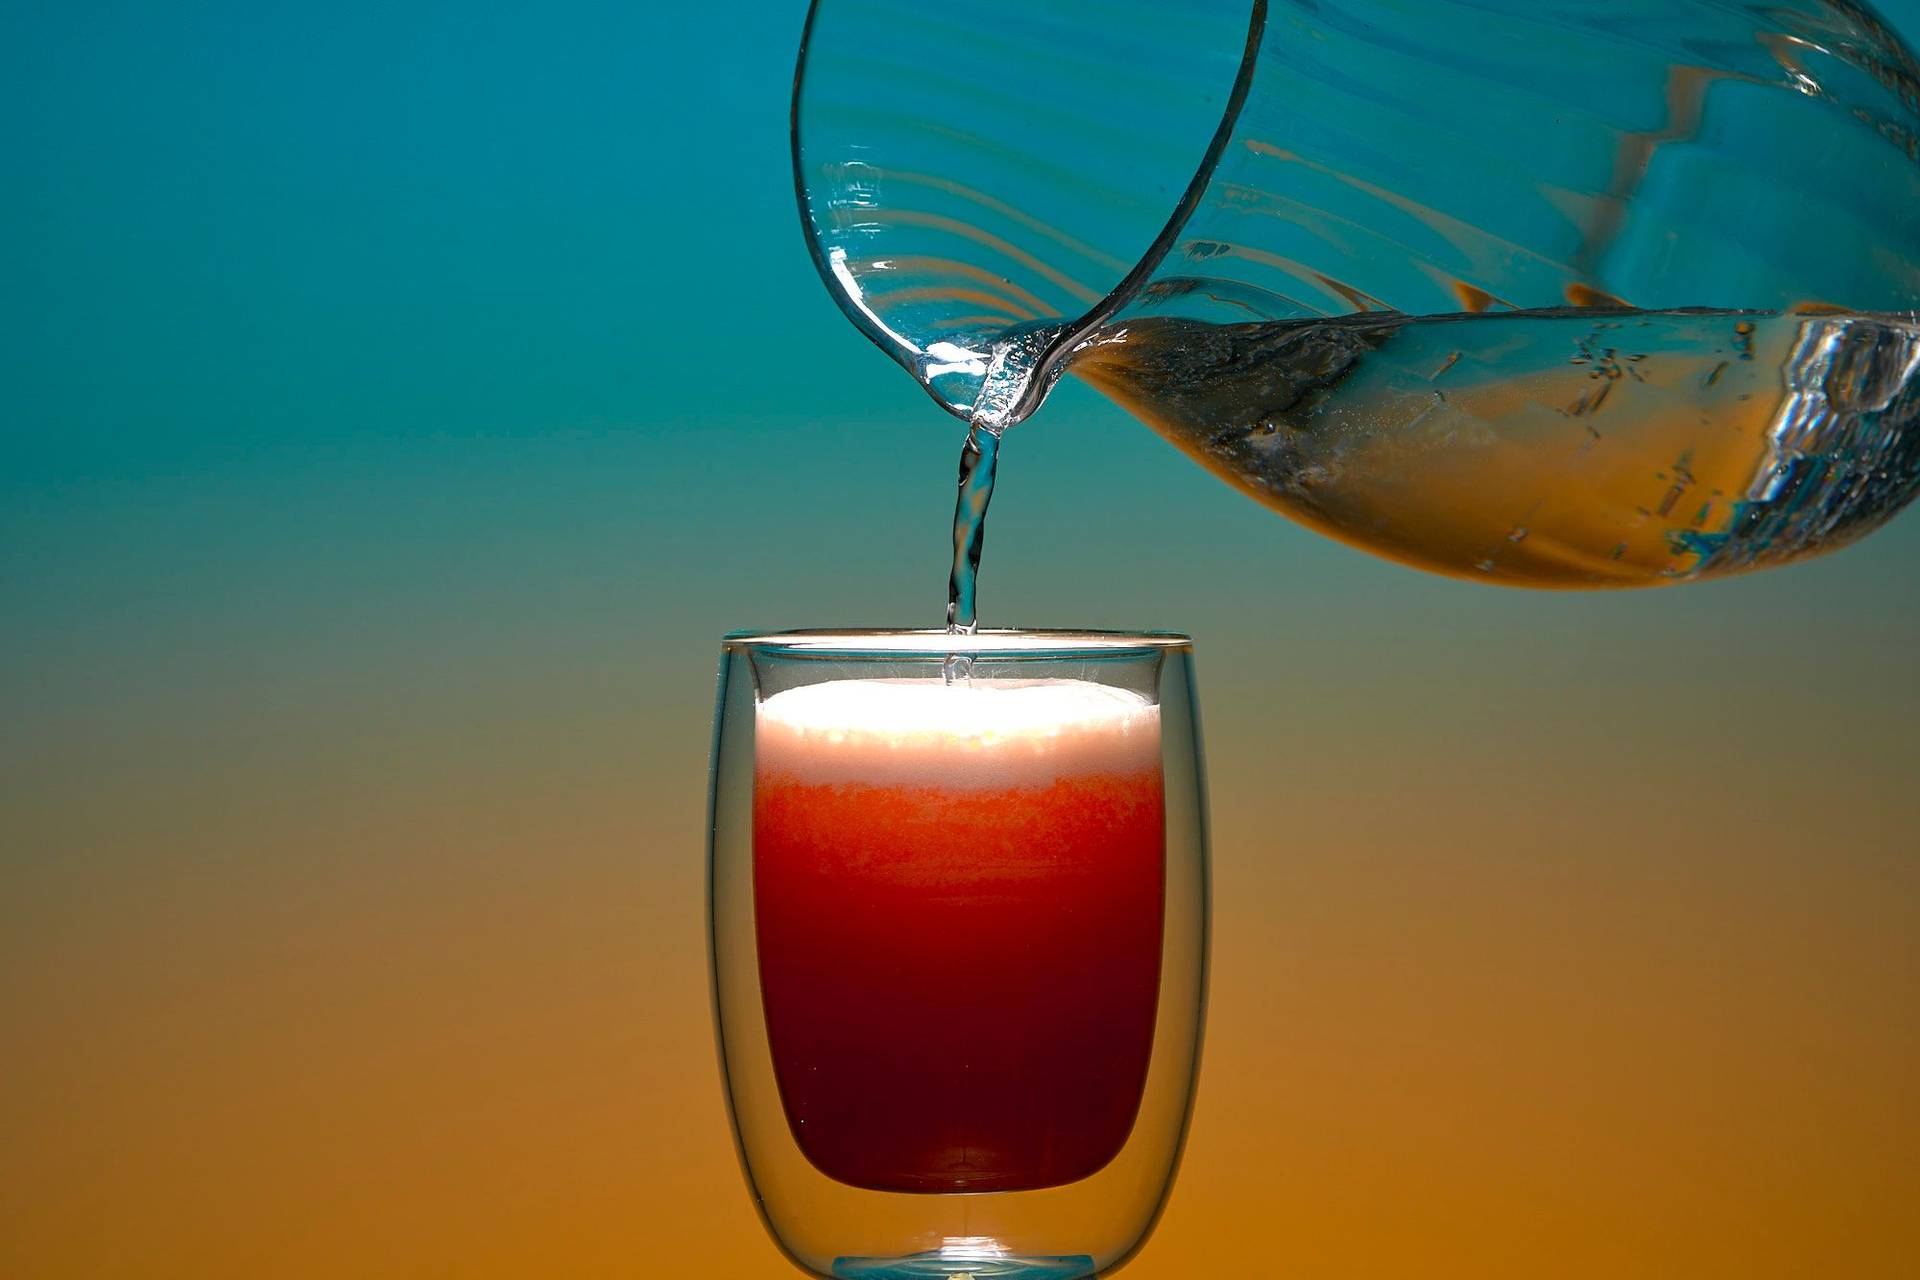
(971, 733)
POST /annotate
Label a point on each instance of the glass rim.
(938, 642)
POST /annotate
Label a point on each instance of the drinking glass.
(958, 923)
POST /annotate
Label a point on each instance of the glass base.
(948, 1266)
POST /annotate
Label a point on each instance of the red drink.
(958, 894)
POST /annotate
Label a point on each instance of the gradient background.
(399, 402)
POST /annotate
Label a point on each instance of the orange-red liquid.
(960, 981)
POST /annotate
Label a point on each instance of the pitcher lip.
(1012, 642)
(1070, 335)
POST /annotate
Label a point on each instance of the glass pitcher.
(1536, 292)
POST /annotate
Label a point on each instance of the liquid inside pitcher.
(1545, 294)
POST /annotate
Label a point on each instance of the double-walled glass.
(958, 893)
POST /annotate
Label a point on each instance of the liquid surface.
(958, 896)
(1568, 448)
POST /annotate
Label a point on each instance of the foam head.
(971, 733)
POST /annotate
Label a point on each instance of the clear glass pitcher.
(1538, 292)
